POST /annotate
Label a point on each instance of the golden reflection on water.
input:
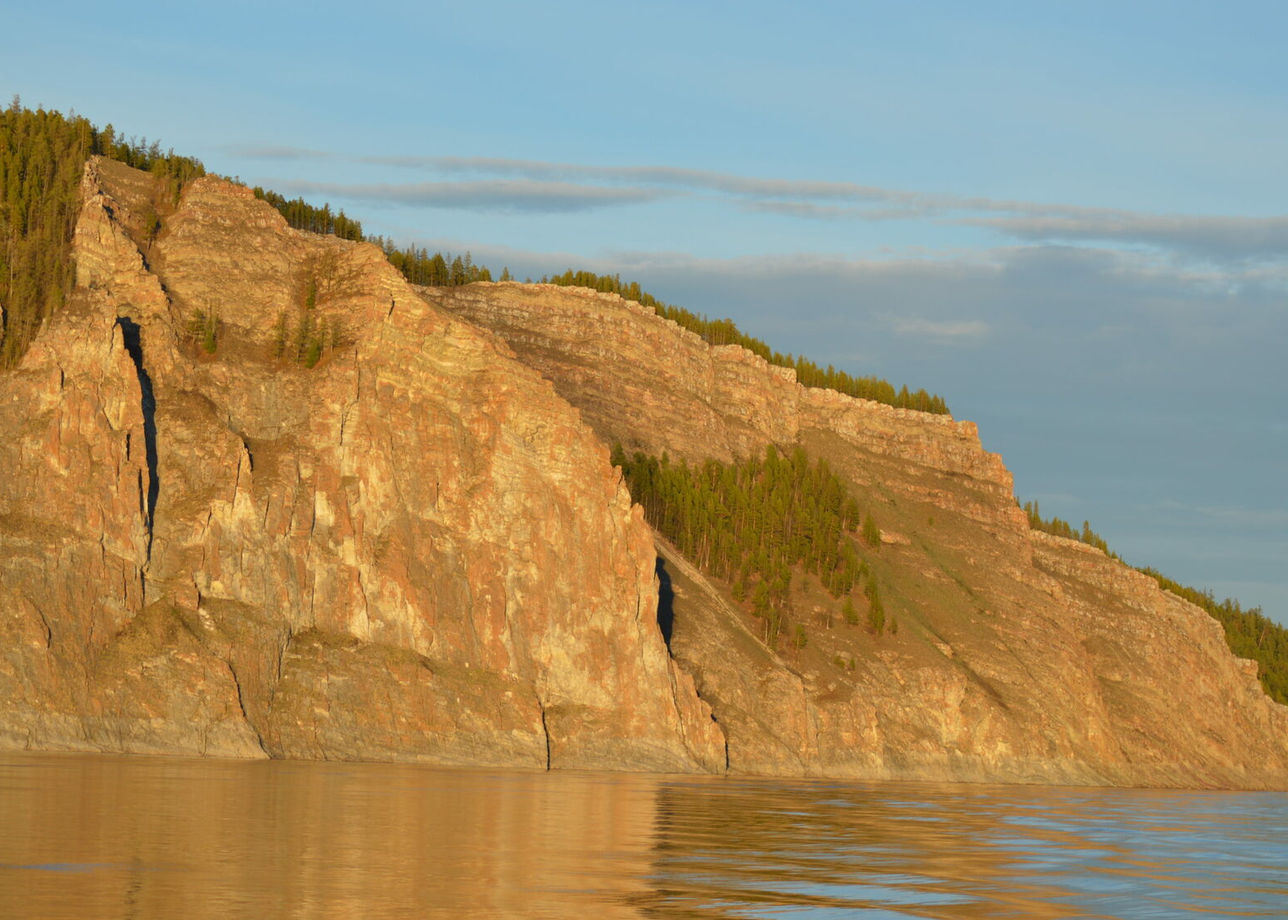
(84, 836)
(108, 837)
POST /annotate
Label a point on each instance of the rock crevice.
(396, 509)
(148, 411)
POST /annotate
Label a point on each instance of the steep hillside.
(261, 499)
(1018, 656)
(265, 498)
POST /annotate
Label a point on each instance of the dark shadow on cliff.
(134, 345)
(665, 601)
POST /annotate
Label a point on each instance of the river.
(86, 836)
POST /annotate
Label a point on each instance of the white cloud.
(533, 186)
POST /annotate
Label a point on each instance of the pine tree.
(871, 532)
(42, 159)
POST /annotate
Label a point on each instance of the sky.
(1068, 219)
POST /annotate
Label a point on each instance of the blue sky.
(1070, 220)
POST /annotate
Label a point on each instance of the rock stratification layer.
(1019, 656)
(262, 499)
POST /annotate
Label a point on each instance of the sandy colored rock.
(263, 498)
(1019, 657)
(413, 549)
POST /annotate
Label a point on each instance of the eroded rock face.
(1020, 657)
(412, 549)
(636, 377)
(262, 498)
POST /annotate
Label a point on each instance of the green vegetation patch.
(42, 159)
(757, 523)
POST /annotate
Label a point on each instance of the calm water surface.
(89, 837)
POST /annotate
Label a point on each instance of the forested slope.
(42, 161)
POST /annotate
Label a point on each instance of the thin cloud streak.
(532, 186)
(1025, 270)
(1228, 237)
(503, 196)
(668, 176)
(277, 152)
(1095, 307)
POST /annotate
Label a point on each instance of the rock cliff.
(1019, 656)
(262, 500)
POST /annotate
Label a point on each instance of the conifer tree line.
(303, 216)
(754, 523)
(725, 332)
(417, 264)
(436, 269)
(1248, 633)
(1062, 528)
(42, 159)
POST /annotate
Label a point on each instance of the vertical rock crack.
(545, 730)
(134, 345)
(241, 704)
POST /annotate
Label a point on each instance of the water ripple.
(151, 837)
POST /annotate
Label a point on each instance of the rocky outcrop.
(636, 377)
(651, 385)
(1019, 657)
(357, 528)
(262, 498)
(658, 386)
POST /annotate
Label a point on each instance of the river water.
(103, 837)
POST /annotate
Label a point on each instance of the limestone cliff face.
(1020, 657)
(262, 498)
(413, 549)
